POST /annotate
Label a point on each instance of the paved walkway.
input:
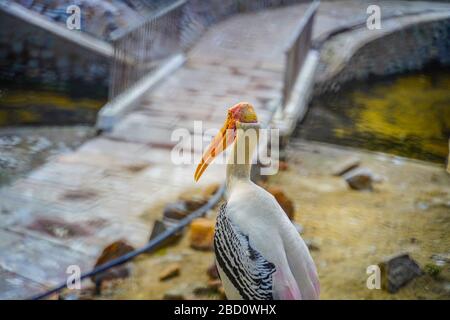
(66, 211)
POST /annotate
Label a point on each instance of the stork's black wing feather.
(245, 267)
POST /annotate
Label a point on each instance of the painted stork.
(259, 253)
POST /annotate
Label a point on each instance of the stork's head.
(237, 115)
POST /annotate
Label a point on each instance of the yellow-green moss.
(411, 106)
(407, 115)
(18, 98)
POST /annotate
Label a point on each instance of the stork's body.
(259, 253)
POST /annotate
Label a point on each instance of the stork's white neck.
(240, 159)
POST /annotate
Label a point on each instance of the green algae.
(406, 115)
(37, 107)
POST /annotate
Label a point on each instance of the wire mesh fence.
(140, 49)
(143, 47)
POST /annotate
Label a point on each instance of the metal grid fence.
(143, 47)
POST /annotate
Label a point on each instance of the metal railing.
(140, 48)
(297, 51)
(143, 47)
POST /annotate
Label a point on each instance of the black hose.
(151, 245)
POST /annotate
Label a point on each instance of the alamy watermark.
(374, 279)
(73, 22)
(73, 281)
(373, 21)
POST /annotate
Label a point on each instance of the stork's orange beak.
(241, 112)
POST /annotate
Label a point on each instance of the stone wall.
(407, 49)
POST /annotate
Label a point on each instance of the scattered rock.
(345, 165)
(283, 200)
(397, 271)
(212, 288)
(202, 234)
(195, 203)
(441, 259)
(214, 284)
(176, 210)
(212, 272)
(114, 250)
(111, 252)
(202, 290)
(190, 291)
(169, 272)
(161, 226)
(183, 207)
(174, 294)
(359, 179)
(283, 166)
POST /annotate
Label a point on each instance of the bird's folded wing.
(284, 286)
(249, 272)
(302, 266)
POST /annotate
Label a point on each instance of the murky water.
(21, 106)
(37, 123)
(406, 115)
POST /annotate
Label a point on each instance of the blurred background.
(91, 92)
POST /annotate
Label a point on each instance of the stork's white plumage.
(259, 253)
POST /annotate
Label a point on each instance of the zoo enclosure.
(142, 48)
